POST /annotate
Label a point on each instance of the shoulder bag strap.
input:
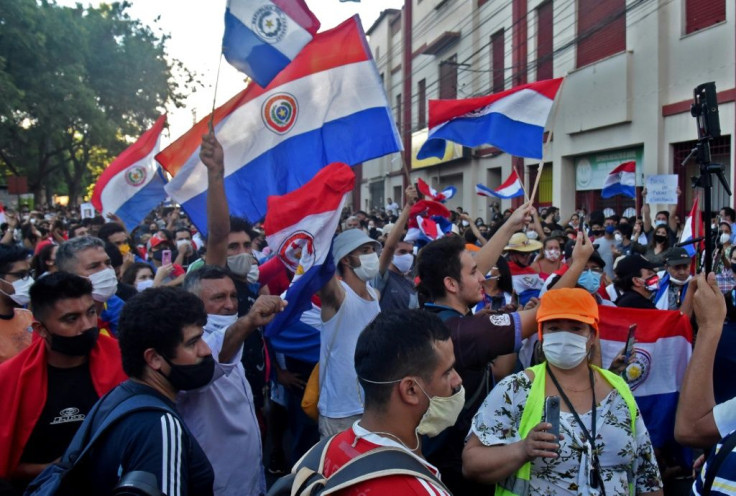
(713, 467)
(380, 462)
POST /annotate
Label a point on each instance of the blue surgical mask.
(610, 229)
(590, 280)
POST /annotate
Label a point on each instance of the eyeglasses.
(21, 274)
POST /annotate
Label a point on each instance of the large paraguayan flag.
(511, 188)
(512, 120)
(133, 184)
(327, 106)
(263, 36)
(661, 354)
(300, 226)
(621, 181)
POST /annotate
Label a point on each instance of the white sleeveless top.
(340, 394)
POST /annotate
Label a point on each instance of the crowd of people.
(446, 355)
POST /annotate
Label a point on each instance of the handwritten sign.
(662, 188)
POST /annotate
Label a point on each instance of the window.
(395, 25)
(544, 41)
(448, 78)
(497, 61)
(398, 113)
(422, 104)
(601, 29)
(700, 14)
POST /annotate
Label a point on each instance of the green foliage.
(76, 84)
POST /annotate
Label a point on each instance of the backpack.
(55, 479)
(307, 479)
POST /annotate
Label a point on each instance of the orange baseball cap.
(567, 303)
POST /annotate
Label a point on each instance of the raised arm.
(395, 235)
(580, 254)
(218, 213)
(261, 313)
(487, 256)
(474, 229)
(646, 214)
(673, 211)
(695, 424)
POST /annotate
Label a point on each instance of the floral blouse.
(621, 455)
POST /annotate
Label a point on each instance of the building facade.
(630, 67)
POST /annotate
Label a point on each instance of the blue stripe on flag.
(618, 189)
(244, 50)
(135, 209)
(295, 161)
(513, 137)
(658, 412)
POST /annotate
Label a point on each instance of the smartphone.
(629, 343)
(166, 257)
(552, 414)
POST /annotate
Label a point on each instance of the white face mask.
(618, 237)
(564, 349)
(680, 282)
(532, 234)
(552, 255)
(660, 222)
(239, 264)
(182, 243)
(403, 262)
(465, 223)
(725, 238)
(253, 273)
(220, 322)
(144, 285)
(104, 284)
(442, 413)
(21, 288)
(368, 267)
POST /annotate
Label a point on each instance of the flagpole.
(214, 97)
(546, 140)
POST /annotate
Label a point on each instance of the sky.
(196, 28)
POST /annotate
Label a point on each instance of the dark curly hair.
(155, 319)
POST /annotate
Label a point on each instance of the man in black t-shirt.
(49, 387)
(162, 350)
(636, 278)
(451, 280)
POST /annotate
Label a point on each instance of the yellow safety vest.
(518, 483)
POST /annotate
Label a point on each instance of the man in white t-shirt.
(349, 304)
(392, 208)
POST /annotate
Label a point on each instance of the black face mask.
(659, 239)
(79, 345)
(158, 254)
(189, 377)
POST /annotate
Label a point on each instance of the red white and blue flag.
(511, 188)
(689, 230)
(661, 354)
(512, 120)
(300, 226)
(433, 194)
(133, 184)
(428, 220)
(327, 106)
(621, 181)
(262, 37)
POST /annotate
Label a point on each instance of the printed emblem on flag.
(269, 23)
(297, 251)
(279, 112)
(638, 369)
(135, 176)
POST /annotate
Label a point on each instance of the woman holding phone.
(603, 447)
